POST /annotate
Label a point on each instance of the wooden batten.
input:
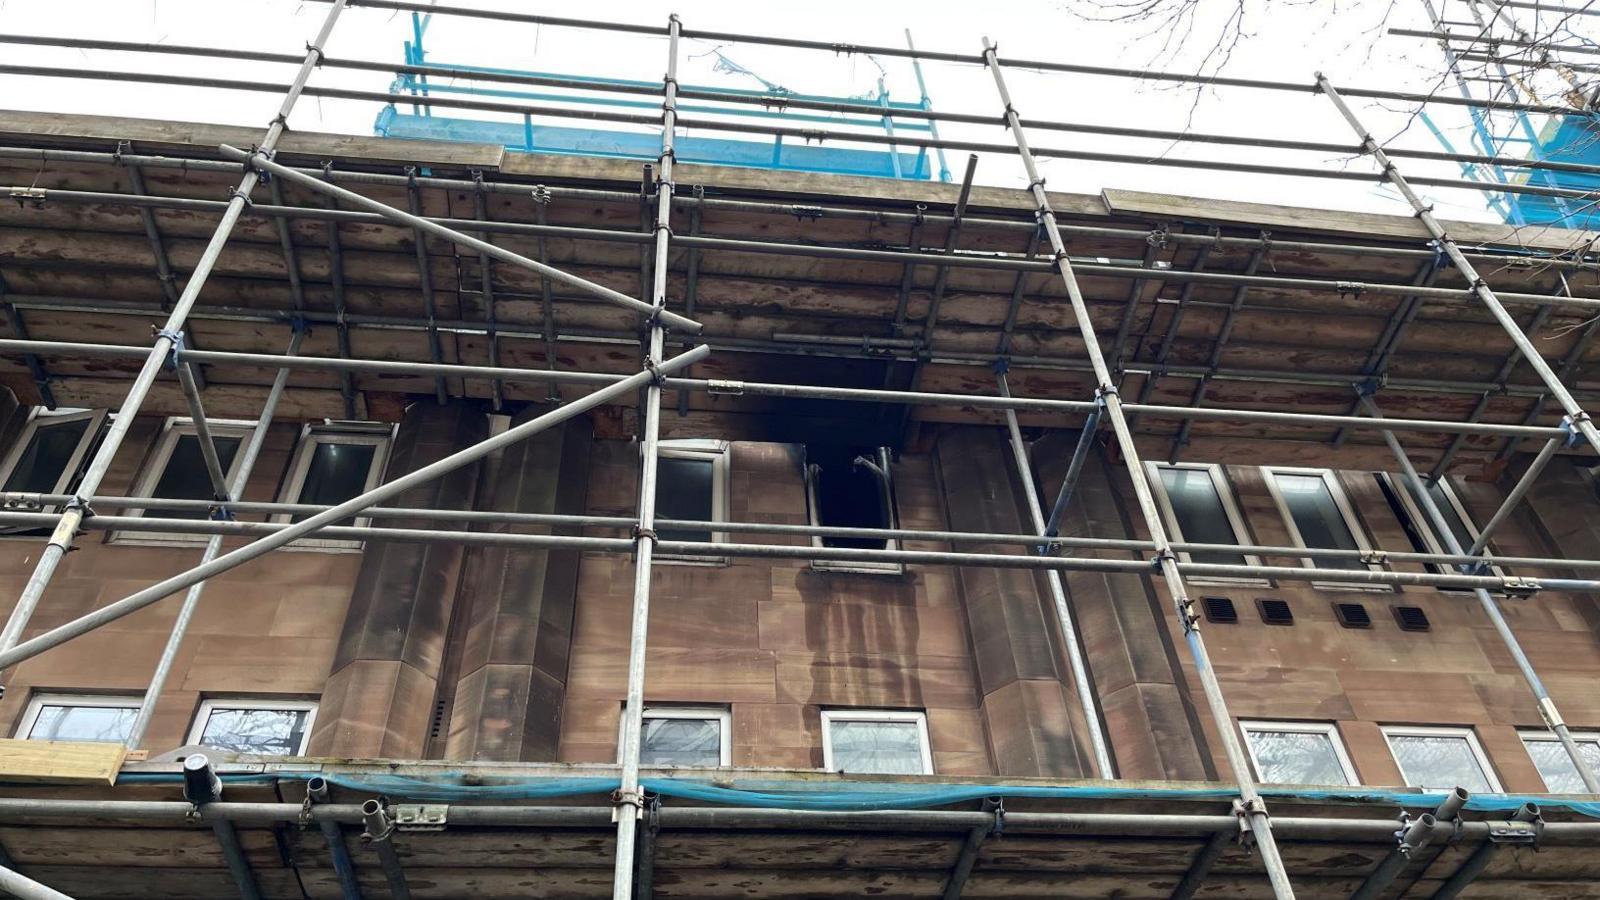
(60, 762)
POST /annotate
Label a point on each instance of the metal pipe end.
(200, 782)
(317, 789)
(378, 823)
(1453, 802)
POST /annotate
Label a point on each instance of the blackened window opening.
(849, 490)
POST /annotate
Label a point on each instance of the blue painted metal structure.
(533, 136)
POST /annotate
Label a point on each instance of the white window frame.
(814, 517)
(1329, 729)
(1530, 736)
(829, 716)
(37, 703)
(1424, 525)
(1230, 508)
(1455, 731)
(202, 716)
(377, 435)
(39, 416)
(722, 714)
(718, 452)
(156, 465)
(1346, 512)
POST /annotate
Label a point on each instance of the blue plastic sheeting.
(647, 146)
(1570, 139)
(858, 796)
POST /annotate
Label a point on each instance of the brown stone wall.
(267, 629)
(774, 640)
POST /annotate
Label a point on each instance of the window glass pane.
(880, 748)
(847, 495)
(1200, 513)
(185, 476)
(277, 732)
(681, 742)
(684, 491)
(1296, 757)
(64, 722)
(1317, 517)
(1439, 762)
(336, 473)
(1559, 774)
(1458, 527)
(40, 466)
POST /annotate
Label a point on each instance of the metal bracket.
(421, 817)
(1375, 557)
(1400, 834)
(19, 500)
(621, 798)
(998, 806)
(1242, 811)
(29, 197)
(724, 387)
(1521, 587)
(1525, 833)
(806, 212)
(1569, 425)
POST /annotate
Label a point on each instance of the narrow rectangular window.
(46, 457)
(876, 742)
(78, 717)
(697, 736)
(1199, 508)
(176, 470)
(1441, 758)
(1419, 526)
(333, 463)
(263, 727)
(851, 487)
(1298, 753)
(691, 485)
(1317, 514)
(1555, 767)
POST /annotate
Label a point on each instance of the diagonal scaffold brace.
(1251, 809)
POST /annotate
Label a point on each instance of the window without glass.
(1418, 525)
(78, 717)
(851, 487)
(877, 742)
(177, 471)
(691, 484)
(1555, 767)
(684, 736)
(1317, 514)
(1441, 758)
(265, 727)
(331, 464)
(1199, 509)
(1298, 753)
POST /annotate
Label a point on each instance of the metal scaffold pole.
(191, 600)
(629, 808)
(1253, 809)
(167, 338)
(1491, 608)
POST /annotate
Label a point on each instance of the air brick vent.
(1411, 618)
(1352, 615)
(1275, 612)
(1220, 610)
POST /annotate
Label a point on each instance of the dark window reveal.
(685, 489)
(44, 460)
(336, 472)
(850, 489)
(185, 476)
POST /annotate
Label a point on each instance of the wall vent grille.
(1220, 610)
(1352, 615)
(1275, 612)
(1411, 618)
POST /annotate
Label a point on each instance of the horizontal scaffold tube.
(15, 507)
(153, 525)
(1512, 255)
(765, 389)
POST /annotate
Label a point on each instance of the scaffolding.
(665, 329)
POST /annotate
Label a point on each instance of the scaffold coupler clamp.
(1186, 614)
(652, 813)
(1243, 810)
(1157, 238)
(997, 806)
(1572, 426)
(541, 194)
(249, 165)
(1368, 387)
(1000, 366)
(621, 798)
(1404, 826)
(176, 350)
(220, 510)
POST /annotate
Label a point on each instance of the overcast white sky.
(1290, 43)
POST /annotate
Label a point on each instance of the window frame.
(1230, 510)
(1531, 735)
(719, 453)
(1347, 512)
(1424, 526)
(312, 436)
(887, 495)
(919, 717)
(40, 416)
(202, 715)
(1329, 729)
(174, 428)
(40, 699)
(722, 714)
(1460, 731)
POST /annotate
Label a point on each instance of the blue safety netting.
(460, 787)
